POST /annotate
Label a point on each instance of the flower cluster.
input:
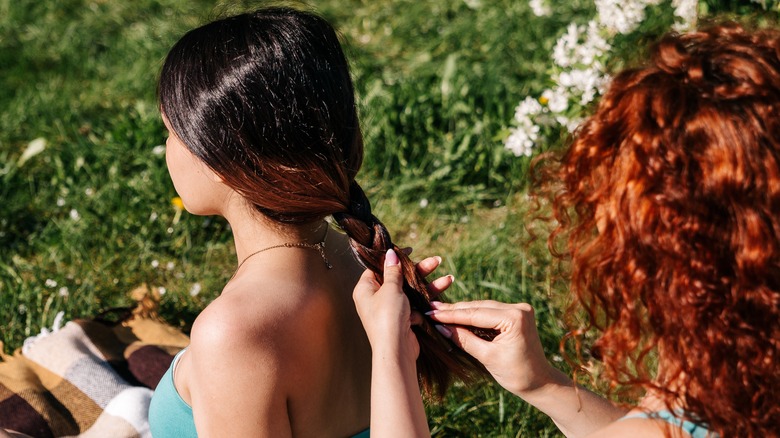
(578, 73)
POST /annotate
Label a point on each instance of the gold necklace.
(319, 246)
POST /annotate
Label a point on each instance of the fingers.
(478, 304)
(469, 342)
(487, 318)
(426, 266)
(366, 285)
(438, 286)
(393, 276)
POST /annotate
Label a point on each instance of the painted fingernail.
(447, 333)
(391, 258)
(435, 304)
(430, 312)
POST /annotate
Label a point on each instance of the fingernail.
(430, 312)
(438, 259)
(447, 333)
(435, 304)
(391, 258)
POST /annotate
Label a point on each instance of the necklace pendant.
(319, 246)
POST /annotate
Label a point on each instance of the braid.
(370, 240)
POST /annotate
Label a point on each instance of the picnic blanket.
(88, 378)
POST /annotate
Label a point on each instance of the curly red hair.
(668, 210)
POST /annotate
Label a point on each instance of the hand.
(385, 312)
(515, 357)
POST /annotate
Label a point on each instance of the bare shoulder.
(237, 365)
(257, 321)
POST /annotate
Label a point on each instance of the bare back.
(282, 350)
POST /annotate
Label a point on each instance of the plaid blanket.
(88, 378)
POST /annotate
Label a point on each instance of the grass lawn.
(87, 213)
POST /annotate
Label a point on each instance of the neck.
(253, 231)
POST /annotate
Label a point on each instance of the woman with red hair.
(667, 205)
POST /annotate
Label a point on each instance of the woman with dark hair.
(263, 130)
(667, 205)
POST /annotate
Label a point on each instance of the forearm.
(396, 404)
(576, 411)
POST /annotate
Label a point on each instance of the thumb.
(470, 343)
(393, 276)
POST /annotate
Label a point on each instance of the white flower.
(155, 264)
(158, 150)
(63, 292)
(161, 290)
(50, 283)
(580, 45)
(687, 10)
(521, 140)
(153, 217)
(557, 99)
(594, 46)
(89, 191)
(169, 266)
(563, 52)
(540, 8)
(195, 289)
(585, 82)
(423, 203)
(74, 214)
(528, 107)
(60, 202)
(621, 16)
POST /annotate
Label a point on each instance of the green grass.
(89, 218)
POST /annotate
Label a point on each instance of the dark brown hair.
(668, 204)
(265, 99)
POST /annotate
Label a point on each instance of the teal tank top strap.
(169, 415)
(364, 434)
(695, 430)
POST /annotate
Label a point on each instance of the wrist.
(547, 380)
(392, 352)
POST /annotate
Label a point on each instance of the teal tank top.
(171, 417)
(695, 430)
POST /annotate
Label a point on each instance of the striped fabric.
(89, 379)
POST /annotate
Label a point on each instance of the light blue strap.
(673, 418)
(363, 434)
